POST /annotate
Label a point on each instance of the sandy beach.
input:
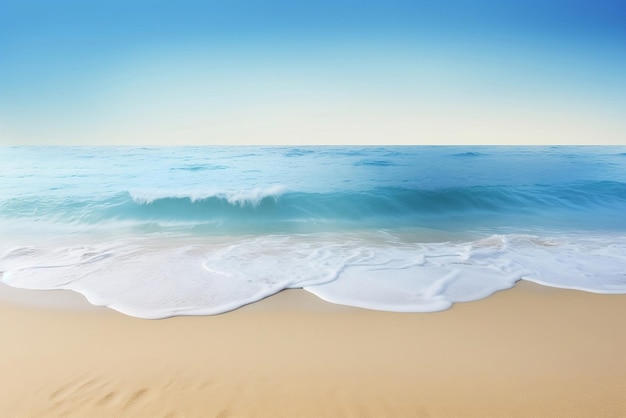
(529, 351)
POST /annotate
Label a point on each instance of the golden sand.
(531, 351)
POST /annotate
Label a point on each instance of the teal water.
(156, 232)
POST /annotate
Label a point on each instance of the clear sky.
(312, 72)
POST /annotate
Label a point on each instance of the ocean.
(166, 231)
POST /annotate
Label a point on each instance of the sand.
(529, 351)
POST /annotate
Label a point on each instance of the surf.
(160, 232)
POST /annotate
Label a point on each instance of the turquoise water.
(156, 232)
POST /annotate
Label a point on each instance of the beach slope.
(529, 351)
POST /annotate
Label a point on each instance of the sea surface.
(159, 232)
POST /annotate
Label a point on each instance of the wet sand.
(529, 351)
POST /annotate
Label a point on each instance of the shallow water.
(156, 232)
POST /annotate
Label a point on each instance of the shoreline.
(527, 351)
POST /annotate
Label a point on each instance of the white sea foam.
(422, 277)
(156, 277)
(252, 196)
(590, 263)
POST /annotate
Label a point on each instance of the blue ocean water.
(156, 232)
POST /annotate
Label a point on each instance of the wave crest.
(277, 208)
(250, 197)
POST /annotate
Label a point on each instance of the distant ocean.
(158, 232)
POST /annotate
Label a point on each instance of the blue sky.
(265, 72)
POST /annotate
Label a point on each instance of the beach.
(528, 351)
(312, 209)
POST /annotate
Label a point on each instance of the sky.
(139, 72)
